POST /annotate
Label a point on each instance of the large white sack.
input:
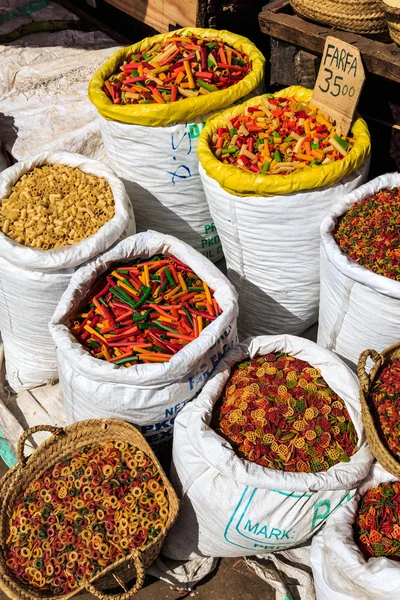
(233, 507)
(148, 395)
(272, 252)
(32, 281)
(160, 170)
(159, 167)
(358, 308)
(339, 568)
(153, 148)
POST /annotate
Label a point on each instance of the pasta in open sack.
(340, 570)
(153, 147)
(269, 225)
(148, 395)
(231, 506)
(359, 309)
(32, 280)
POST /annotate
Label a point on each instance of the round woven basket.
(59, 446)
(392, 11)
(376, 444)
(358, 16)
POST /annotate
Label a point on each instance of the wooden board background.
(160, 14)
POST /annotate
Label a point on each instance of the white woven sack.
(358, 308)
(339, 568)
(271, 247)
(148, 395)
(33, 281)
(159, 167)
(233, 507)
(160, 170)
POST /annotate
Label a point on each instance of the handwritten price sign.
(339, 83)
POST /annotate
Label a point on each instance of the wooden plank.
(283, 66)
(84, 15)
(160, 14)
(306, 68)
(379, 58)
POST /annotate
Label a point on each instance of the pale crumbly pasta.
(55, 205)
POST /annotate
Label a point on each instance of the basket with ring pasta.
(87, 511)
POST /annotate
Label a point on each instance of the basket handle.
(21, 443)
(135, 556)
(364, 377)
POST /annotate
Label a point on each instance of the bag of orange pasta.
(272, 445)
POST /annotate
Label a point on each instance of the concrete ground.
(232, 580)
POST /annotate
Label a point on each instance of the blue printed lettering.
(285, 534)
(184, 135)
(263, 531)
(320, 515)
(213, 241)
(250, 527)
(145, 428)
(165, 424)
(275, 533)
(257, 530)
(217, 357)
(176, 174)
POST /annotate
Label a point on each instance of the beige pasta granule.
(56, 205)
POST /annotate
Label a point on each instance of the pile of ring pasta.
(144, 311)
(56, 205)
(278, 412)
(182, 67)
(280, 136)
(385, 401)
(369, 233)
(377, 528)
(85, 513)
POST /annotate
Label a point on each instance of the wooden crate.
(278, 20)
(162, 15)
(296, 46)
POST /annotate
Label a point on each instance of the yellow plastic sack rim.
(238, 182)
(159, 115)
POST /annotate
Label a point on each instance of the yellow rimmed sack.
(153, 147)
(269, 227)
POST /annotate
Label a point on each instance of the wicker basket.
(393, 19)
(63, 443)
(376, 444)
(358, 16)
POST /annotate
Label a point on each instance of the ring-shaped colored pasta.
(163, 512)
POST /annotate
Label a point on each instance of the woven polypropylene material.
(62, 444)
(393, 21)
(358, 16)
(375, 441)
